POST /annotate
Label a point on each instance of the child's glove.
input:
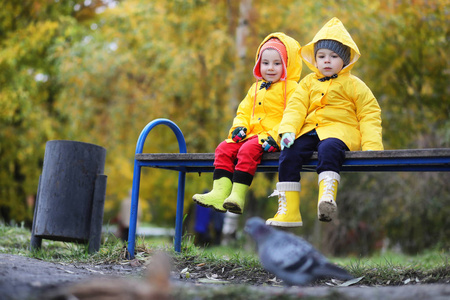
(239, 133)
(269, 145)
(287, 139)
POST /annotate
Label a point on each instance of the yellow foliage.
(178, 60)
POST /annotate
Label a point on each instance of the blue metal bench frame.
(409, 160)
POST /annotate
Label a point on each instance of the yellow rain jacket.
(262, 116)
(342, 108)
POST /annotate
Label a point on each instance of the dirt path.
(28, 278)
(21, 277)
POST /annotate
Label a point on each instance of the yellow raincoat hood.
(332, 30)
(294, 69)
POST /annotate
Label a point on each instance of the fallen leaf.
(92, 271)
(67, 271)
(351, 281)
(213, 276)
(216, 281)
(135, 263)
(237, 269)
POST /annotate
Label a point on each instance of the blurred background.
(98, 71)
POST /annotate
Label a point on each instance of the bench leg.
(134, 210)
(180, 211)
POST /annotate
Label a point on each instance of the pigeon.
(289, 257)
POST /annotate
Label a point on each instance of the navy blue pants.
(331, 155)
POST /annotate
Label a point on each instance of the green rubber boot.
(235, 202)
(221, 190)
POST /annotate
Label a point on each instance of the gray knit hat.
(337, 47)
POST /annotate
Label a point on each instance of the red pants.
(244, 156)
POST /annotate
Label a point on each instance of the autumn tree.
(99, 71)
(28, 98)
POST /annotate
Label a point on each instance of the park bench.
(407, 160)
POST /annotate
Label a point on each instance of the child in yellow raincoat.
(255, 127)
(331, 112)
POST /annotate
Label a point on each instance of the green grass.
(389, 268)
(16, 240)
(426, 260)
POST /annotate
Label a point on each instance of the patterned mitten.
(239, 133)
(269, 145)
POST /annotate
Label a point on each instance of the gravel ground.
(28, 278)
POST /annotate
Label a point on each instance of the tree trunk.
(242, 32)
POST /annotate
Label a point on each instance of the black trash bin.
(71, 194)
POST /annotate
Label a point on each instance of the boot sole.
(326, 211)
(284, 224)
(209, 205)
(233, 207)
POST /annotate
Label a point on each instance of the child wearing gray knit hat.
(335, 46)
(331, 112)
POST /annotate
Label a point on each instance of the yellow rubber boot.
(235, 202)
(221, 190)
(288, 214)
(328, 185)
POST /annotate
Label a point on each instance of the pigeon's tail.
(332, 271)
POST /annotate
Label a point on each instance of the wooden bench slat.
(432, 153)
(356, 161)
